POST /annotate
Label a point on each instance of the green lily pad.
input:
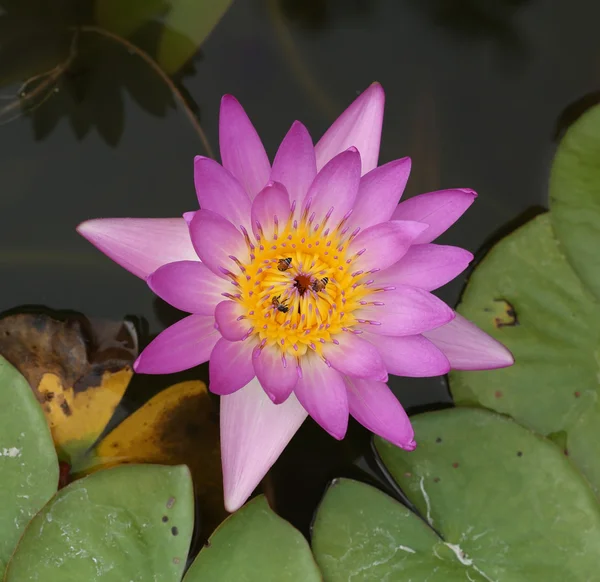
(525, 294)
(575, 197)
(131, 523)
(362, 534)
(255, 545)
(187, 25)
(506, 502)
(28, 462)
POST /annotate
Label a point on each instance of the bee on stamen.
(319, 284)
(280, 305)
(284, 264)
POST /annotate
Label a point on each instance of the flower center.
(299, 288)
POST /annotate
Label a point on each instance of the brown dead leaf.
(77, 368)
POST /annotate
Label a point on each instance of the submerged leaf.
(507, 504)
(525, 294)
(128, 523)
(187, 25)
(125, 18)
(78, 371)
(177, 426)
(28, 463)
(255, 545)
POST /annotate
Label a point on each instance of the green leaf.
(506, 501)
(187, 26)
(575, 197)
(525, 294)
(28, 462)
(124, 17)
(131, 523)
(363, 534)
(255, 545)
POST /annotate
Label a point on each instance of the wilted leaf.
(124, 17)
(187, 25)
(177, 426)
(28, 463)
(129, 524)
(525, 294)
(255, 545)
(78, 372)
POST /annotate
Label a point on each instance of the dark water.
(475, 92)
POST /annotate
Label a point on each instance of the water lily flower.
(307, 283)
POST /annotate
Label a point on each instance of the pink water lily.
(307, 284)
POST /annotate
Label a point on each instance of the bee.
(319, 284)
(280, 306)
(284, 264)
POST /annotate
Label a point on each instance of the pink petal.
(404, 311)
(185, 344)
(355, 357)
(188, 216)
(216, 240)
(427, 266)
(359, 126)
(335, 187)
(379, 193)
(374, 405)
(188, 285)
(242, 152)
(220, 192)
(440, 210)
(322, 392)
(254, 432)
(411, 355)
(384, 244)
(272, 203)
(140, 245)
(277, 375)
(230, 366)
(295, 165)
(469, 348)
(227, 315)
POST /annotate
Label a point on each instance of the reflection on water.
(108, 137)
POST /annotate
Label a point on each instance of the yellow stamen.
(281, 306)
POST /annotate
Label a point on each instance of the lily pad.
(507, 504)
(255, 545)
(525, 294)
(575, 197)
(177, 426)
(363, 534)
(187, 25)
(28, 462)
(130, 523)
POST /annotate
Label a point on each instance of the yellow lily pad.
(77, 369)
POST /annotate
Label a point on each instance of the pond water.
(476, 92)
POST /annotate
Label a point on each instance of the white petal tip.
(89, 228)
(233, 503)
(504, 359)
